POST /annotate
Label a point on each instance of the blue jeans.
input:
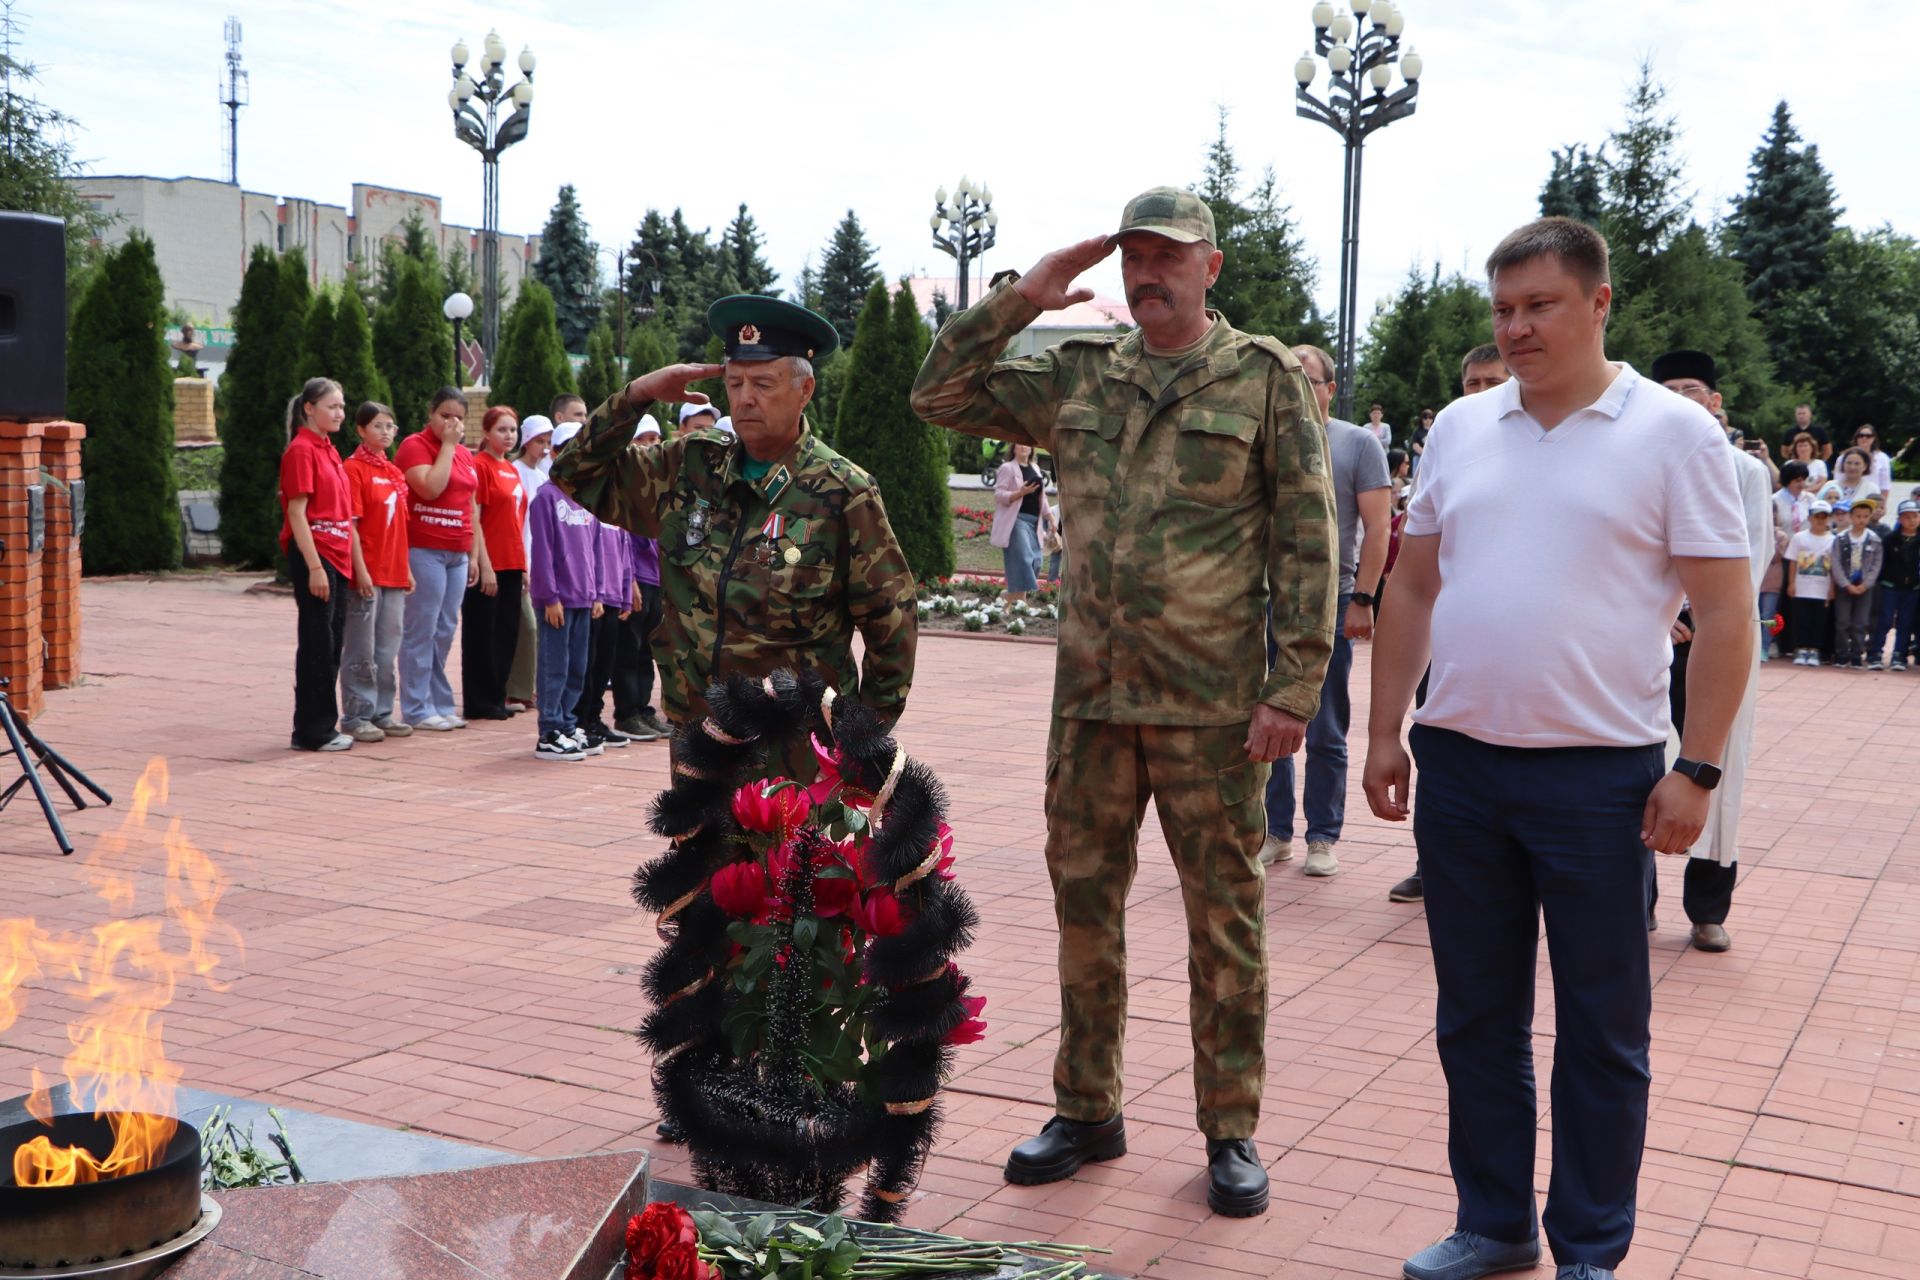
(562, 667)
(1504, 834)
(426, 635)
(1769, 605)
(1326, 791)
(1895, 613)
(370, 646)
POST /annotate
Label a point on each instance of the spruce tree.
(742, 241)
(1267, 276)
(600, 378)
(1573, 188)
(532, 366)
(120, 384)
(1646, 202)
(847, 274)
(262, 375)
(353, 367)
(647, 349)
(36, 160)
(1410, 357)
(569, 267)
(1781, 225)
(414, 243)
(413, 343)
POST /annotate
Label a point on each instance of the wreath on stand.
(806, 1004)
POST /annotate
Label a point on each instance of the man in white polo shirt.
(1559, 523)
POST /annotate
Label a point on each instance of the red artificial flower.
(654, 1230)
(880, 914)
(974, 1029)
(777, 813)
(835, 897)
(943, 841)
(682, 1262)
(741, 890)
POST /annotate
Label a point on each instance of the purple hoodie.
(613, 572)
(561, 568)
(646, 560)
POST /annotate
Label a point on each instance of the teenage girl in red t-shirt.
(490, 620)
(323, 558)
(447, 552)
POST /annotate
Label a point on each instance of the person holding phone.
(1020, 512)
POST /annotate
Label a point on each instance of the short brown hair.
(1485, 353)
(561, 401)
(1581, 249)
(1326, 361)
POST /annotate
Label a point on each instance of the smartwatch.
(1362, 597)
(1705, 776)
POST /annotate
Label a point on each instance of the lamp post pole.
(457, 308)
(489, 136)
(970, 224)
(1358, 58)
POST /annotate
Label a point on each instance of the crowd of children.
(1851, 581)
(390, 556)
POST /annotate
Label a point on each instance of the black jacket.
(1901, 565)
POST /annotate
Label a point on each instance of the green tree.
(36, 159)
(532, 366)
(352, 364)
(1781, 224)
(120, 383)
(413, 343)
(316, 340)
(262, 375)
(806, 286)
(1267, 275)
(569, 265)
(1645, 204)
(876, 429)
(742, 242)
(1868, 309)
(1410, 359)
(847, 274)
(601, 376)
(829, 381)
(414, 243)
(649, 347)
(1573, 188)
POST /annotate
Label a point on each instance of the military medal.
(697, 524)
(769, 534)
(792, 556)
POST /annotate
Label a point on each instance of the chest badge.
(697, 525)
(792, 555)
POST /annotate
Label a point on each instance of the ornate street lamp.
(457, 308)
(969, 221)
(1360, 57)
(489, 136)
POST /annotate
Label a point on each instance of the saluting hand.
(669, 385)
(1046, 286)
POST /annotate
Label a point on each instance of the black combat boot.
(1236, 1183)
(1063, 1146)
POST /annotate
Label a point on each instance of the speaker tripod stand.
(23, 740)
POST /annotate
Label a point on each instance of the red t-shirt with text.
(444, 523)
(380, 509)
(503, 512)
(311, 468)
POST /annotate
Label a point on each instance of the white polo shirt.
(1557, 583)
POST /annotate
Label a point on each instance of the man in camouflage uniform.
(774, 549)
(1193, 467)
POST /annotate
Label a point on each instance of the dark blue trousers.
(1504, 834)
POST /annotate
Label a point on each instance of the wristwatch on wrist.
(1705, 776)
(1362, 597)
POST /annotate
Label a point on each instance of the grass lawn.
(973, 555)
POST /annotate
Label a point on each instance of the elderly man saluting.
(1193, 465)
(774, 549)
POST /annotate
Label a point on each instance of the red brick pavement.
(438, 935)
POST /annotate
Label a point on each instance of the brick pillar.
(21, 651)
(60, 559)
(476, 410)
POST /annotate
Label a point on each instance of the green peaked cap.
(752, 326)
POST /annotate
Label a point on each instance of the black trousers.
(489, 636)
(603, 643)
(1812, 629)
(322, 627)
(1707, 893)
(633, 659)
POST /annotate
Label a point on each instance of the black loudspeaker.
(33, 317)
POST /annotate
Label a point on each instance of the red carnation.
(740, 890)
(835, 897)
(650, 1233)
(880, 914)
(758, 807)
(974, 1029)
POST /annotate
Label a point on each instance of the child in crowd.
(490, 616)
(1811, 553)
(560, 582)
(612, 604)
(633, 709)
(371, 642)
(530, 464)
(1899, 590)
(1856, 569)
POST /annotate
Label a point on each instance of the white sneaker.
(367, 731)
(455, 722)
(434, 724)
(1320, 859)
(578, 737)
(1275, 849)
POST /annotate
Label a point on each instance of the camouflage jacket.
(754, 575)
(1184, 508)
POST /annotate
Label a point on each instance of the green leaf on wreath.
(805, 930)
(760, 1231)
(836, 872)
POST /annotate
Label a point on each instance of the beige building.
(203, 232)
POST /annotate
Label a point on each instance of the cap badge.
(749, 334)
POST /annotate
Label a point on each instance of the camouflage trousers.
(1208, 794)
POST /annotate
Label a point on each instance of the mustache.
(1146, 291)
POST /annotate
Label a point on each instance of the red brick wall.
(22, 649)
(60, 559)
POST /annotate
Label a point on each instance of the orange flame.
(127, 978)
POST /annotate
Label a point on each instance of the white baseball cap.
(695, 410)
(565, 432)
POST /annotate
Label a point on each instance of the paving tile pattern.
(438, 935)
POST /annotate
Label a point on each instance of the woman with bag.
(1019, 512)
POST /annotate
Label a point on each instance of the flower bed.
(966, 602)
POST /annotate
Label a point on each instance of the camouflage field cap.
(1178, 215)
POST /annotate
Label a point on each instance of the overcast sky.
(1064, 107)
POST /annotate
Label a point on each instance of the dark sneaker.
(1408, 890)
(578, 737)
(1875, 665)
(1466, 1256)
(659, 726)
(554, 746)
(598, 736)
(1062, 1147)
(637, 729)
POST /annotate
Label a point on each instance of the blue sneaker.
(1583, 1271)
(1466, 1256)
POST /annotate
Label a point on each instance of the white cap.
(647, 427)
(695, 410)
(535, 427)
(565, 432)
(725, 424)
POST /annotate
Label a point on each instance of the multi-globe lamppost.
(1359, 57)
(490, 136)
(970, 224)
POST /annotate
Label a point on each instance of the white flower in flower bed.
(1016, 628)
(925, 608)
(974, 620)
(950, 606)
(1053, 611)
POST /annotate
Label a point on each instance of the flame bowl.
(44, 1227)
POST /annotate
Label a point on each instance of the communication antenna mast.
(235, 97)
